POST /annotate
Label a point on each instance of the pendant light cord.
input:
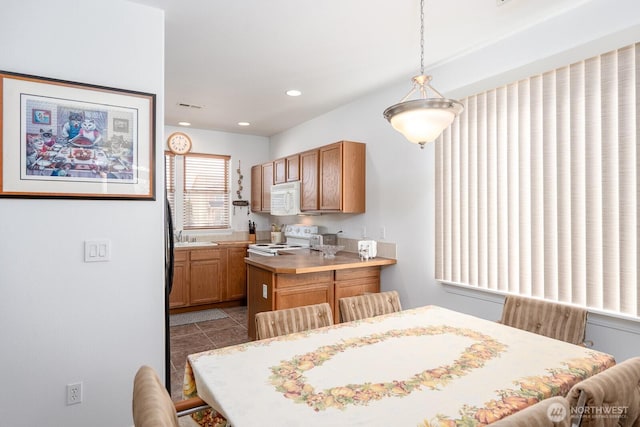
(421, 37)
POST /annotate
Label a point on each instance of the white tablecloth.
(423, 367)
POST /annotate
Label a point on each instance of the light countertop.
(307, 261)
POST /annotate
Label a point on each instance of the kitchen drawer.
(180, 256)
(203, 254)
(291, 280)
(307, 295)
(357, 273)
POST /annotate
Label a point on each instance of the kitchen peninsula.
(304, 277)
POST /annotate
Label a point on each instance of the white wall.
(63, 320)
(249, 150)
(400, 176)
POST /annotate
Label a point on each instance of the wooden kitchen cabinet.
(179, 296)
(256, 188)
(267, 182)
(262, 178)
(207, 277)
(276, 291)
(268, 291)
(286, 169)
(207, 274)
(309, 181)
(332, 178)
(295, 290)
(293, 168)
(236, 287)
(353, 282)
(279, 171)
(342, 177)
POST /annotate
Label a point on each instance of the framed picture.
(41, 117)
(74, 140)
(120, 125)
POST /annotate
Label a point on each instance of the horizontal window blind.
(206, 191)
(537, 186)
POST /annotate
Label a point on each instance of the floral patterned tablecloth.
(422, 367)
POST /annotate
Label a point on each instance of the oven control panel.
(300, 230)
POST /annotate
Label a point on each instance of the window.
(198, 190)
(537, 187)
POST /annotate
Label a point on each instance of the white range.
(297, 237)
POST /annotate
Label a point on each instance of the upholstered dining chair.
(551, 319)
(551, 412)
(289, 320)
(152, 405)
(609, 398)
(369, 305)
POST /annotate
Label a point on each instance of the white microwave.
(285, 199)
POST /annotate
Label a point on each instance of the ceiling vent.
(183, 104)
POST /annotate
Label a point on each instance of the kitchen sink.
(193, 244)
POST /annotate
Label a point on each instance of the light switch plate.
(97, 250)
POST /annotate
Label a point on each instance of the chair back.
(609, 398)
(152, 406)
(552, 412)
(554, 320)
(369, 305)
(289, 320)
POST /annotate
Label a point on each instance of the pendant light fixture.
(422, 120)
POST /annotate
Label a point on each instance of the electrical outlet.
(264, 290)
(74, 393)
(383, 233)
(364, 231)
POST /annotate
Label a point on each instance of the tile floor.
(201, 336)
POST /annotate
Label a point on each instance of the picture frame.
(120, 125)
(41, 117)
(63, 139)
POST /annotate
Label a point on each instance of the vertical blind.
(537, 187)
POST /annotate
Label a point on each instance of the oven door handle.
(259, 252)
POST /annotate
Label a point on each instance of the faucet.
(178, 236)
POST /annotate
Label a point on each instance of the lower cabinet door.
(236, 275)
(354, 282)
(304, 295)
(207, 274)
(179, 296)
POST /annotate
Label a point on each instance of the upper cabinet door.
(286, 169)
(267, 182)
(279, 171)
(309, 181)
(293, 168)
(343, 177)
(256, 188)
(331, 177)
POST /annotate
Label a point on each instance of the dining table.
(427, 366)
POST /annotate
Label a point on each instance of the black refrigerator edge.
(168, 282)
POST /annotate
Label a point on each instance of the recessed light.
(243, 123)
(294, 92)
(184, 123)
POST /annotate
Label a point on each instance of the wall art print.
(74, 140)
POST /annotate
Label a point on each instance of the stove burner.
(263, 244)
(277, 246)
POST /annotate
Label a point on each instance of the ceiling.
(235, 59)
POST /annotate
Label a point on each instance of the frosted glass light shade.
(423, 120)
